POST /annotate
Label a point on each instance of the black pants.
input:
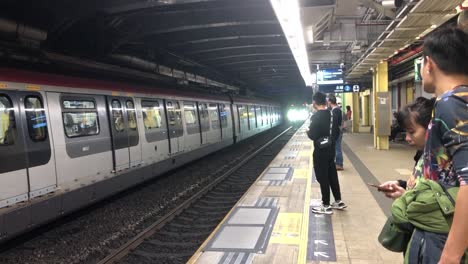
(327, 177)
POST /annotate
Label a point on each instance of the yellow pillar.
(409, 92)
(380, 85)
(365, 108)
(355, 109)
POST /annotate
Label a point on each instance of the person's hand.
(411, 182)
(392, 189)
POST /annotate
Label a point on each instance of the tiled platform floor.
(355, 229)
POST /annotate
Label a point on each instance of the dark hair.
(449, 50)
(420, 111)
(319, 98)
(332, 99)
(348, 108)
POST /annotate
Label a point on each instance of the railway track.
(174, 237)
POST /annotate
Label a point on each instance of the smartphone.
(380, 189)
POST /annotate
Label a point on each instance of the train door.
(41, 165)
(215, 131)
(192, 126)
(124, 131)
(175, 127)
(13, 162)
(156, 146)
(225, 120)
(134, 146)
(243, 119)
(204, 121)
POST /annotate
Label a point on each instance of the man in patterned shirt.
(445, 73)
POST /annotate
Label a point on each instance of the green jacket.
(426, 207)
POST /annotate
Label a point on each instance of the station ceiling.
(236, 42)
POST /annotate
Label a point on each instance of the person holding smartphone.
(414, 118)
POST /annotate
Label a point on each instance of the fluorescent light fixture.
(310, 35)
(288, 14)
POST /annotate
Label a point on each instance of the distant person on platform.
(349, 113)
(324, 132)
(338, 120)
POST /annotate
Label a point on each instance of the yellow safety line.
(302, 256)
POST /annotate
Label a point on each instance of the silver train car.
(67, 142)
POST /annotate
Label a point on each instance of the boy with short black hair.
(445, 73)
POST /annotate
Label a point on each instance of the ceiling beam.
(208, 59)
(379, 7)
(253, 61)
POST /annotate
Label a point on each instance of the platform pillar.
(380, 84)
(365, 108)
(355, 109)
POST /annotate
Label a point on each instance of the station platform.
(273, 221)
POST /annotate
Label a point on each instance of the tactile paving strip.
(246, 230)
(278, 176)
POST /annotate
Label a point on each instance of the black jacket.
(320, 127)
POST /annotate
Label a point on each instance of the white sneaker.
(323, 210)
(340, 205)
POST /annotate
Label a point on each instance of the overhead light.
(418, 38)
(433, 26)
(288, 14)
(310, 35)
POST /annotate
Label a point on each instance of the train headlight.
(297, 115)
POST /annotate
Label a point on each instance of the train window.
(214, 115)
(265, 115)
(204, 117)
(252, 117)
(117, 116)
(259, 115)
(80, 117)
(151, 114)
(36, 118)
(171, 114)
(223, 115)
(132, 121)
(190, 114)
(7, 121)
(79, 124)
(243, 118)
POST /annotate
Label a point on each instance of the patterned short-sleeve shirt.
(446, 150)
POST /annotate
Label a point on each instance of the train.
(67, 142)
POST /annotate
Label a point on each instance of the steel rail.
(132, 244)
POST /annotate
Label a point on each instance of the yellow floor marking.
(287, 229)
(300, 174)
(302, 256)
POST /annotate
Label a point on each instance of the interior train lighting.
(289, 17)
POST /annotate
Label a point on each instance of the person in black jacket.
(338, 118)
(324, 157)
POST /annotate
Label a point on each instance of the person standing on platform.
(349, 113)
(338, 119)
(324, 132)
(445, 73)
